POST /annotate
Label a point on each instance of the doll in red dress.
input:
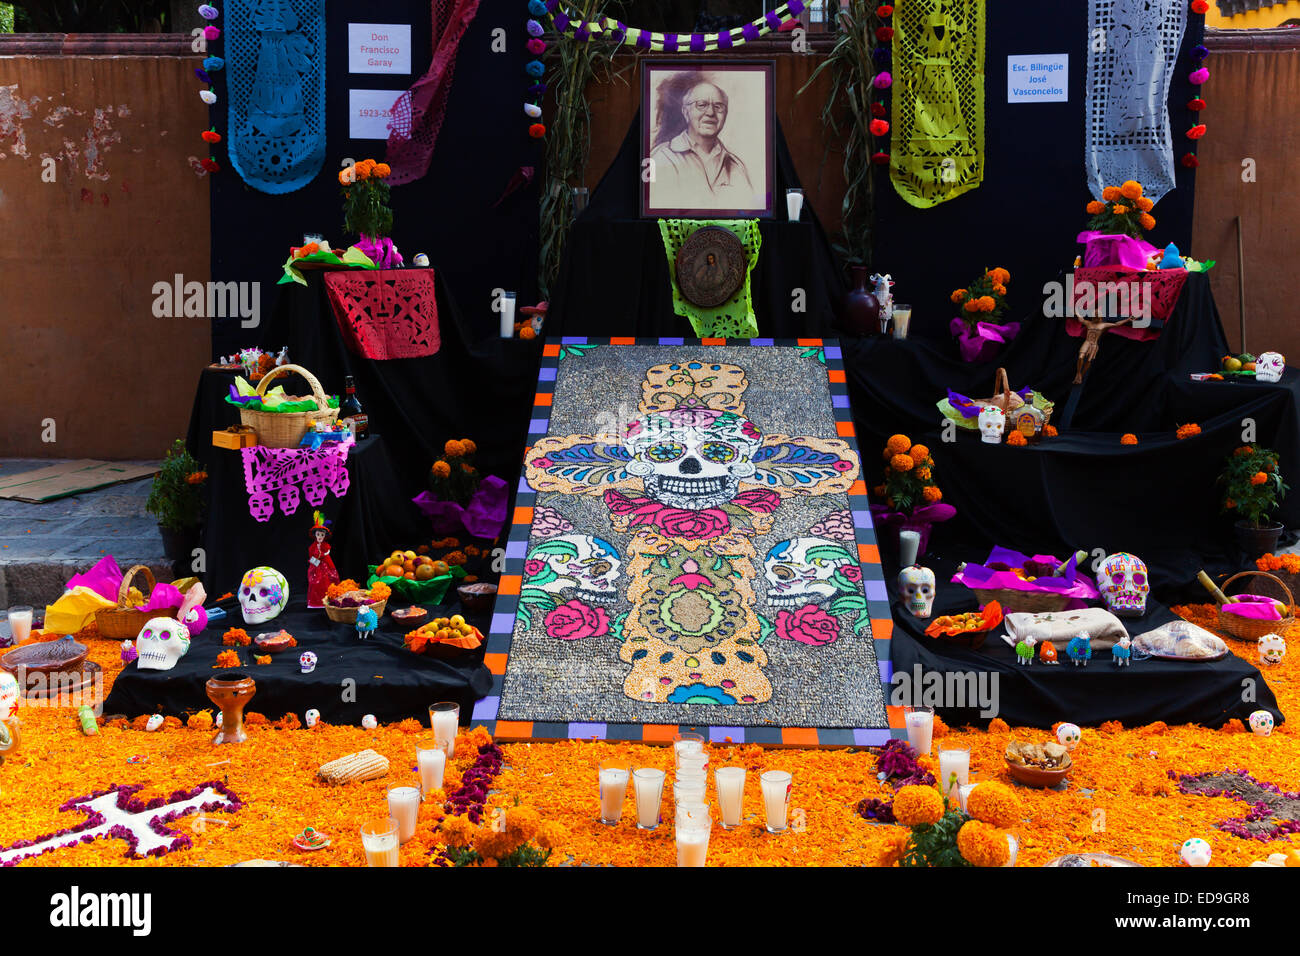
(321, 572)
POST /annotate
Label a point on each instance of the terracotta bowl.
(1037, 777)
(477, 597)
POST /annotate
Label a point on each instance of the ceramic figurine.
(421, 261)
(1025, 651)
(916, 590)
(313, 718)
(1069, 735)
(1079, 650)
(1121, 652)
(884, 283)
(154, 722)
(1047, 653)
(283, 357)
(161, 643)
(263, 593)
(1195, 852)
(992, 422)
(1171, 258)
(1261, 723)
(367, 621)
(8, 695)
(129, 653)
(321, 572)
(307, 661)
(1269, 367)
(1123, 583)
(369, 722)
(1272, 648)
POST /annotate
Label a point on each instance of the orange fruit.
(409, 564)
(424, 572)
(443, 635)
(409, 575)
(441, 567)
(409, 555)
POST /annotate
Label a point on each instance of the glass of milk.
(432, 762)
(20, 622)
(444, 718)
(794, 203)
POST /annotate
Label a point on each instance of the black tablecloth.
(1208, 693)
(391, 683)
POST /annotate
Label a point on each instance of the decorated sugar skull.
(1272, 648)
(581, 562)
(313, 717)
(154, 722)
(1269, 367)
(1195, 852)
(992, 422)
(307, 661)
(369, 722)
(1069, 735)
(1122, 580)
(1261, 723)
(8, 695)
(692, 458)
(800, 571)
(262, 594)
(916, 589)
(161, 643)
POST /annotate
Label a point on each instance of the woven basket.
(124, 623)
(285, 429)
(1247, 628)
(348, 615)
(1032, 602)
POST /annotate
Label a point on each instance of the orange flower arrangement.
(1128, 438)
(1121, 211)
(1049, 431)
(454, 557)
(985, 298)
(453, 449)
(442, 469)
(983, 845)
(902, 463)
(228, 659)
(1017, 438)
(1190, 430)
(916, 805)
(236, 637)
(995, 803)
(897, 444)
(909, 475)
(448, 483)
(261, 659)
(931, 494)
(1289, 563)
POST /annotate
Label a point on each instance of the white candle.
(794, 203)
(902, 319)
(776, 799)
(1014, 846)
(909, 543)
(508, 315)
(692, 813)
(920, 729)
(613, 790)
(432, 762)
(963, 794)
(689, 789)
(730, 783)
(379, 840)
(20, 623)
(692, 845)
(445, 720)
(649, 785)
(953, 762)
(697, 761)
(404, 806)
(687, 744)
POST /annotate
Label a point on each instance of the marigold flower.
(1146, 220)
(957, 295)
(469, 446)
(1130, 189)
(1188, 431)
(1050, 431)
(894, 849)
(456, 831)
(987, 303)
(441, 469)
(923, 474)
(902, 463)
(999, 275)
(228, 659)
(919, 452)
(453, 449)
(983, 845)
(999, 288)
(1258, 478)
(382, 171)
(1096, 206)
(972, 305)
(916, 805)
(1110, 193)
(898, 444)
(1128, 438)
(1145, 204)
(1229, 503)
(1121, 210)
(931, 494)
(1017, 438)
(999, 726)
(995, 803)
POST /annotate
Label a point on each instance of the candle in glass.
(691, 812)
(687, 744)
(613, 790)
(444, 718)
(730, 783)
(794, 203)
(693, 762)
(954, 770)
(689, 789)
(693, 841)
(20, 623)
(909, 543)
(649, 785)
(963, 794)
(1014, 845)
(379, 840)
(432, 761)
(902, 319)
(508, 315)
(920, 728)
(776, 799)
(404, 807)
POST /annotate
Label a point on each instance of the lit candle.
(649, 785)
(920, 728)
(730, 783)
(902, 319)
(444, 718)
(379, 840)
(404, 807)
(953, 764)
(20, 623)
(697, 761)
(776, 799)
(613, 790)
(508, 315)
(432, 761)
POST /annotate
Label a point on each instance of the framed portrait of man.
(706, 137)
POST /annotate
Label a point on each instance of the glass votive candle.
(693, 762)
(613, 790)
(508, 315)
(730, 784)
(691, 812)
(379, 840)
(431, 760)
(902, 319)
(776, 786)
(687, 744)
(963, 793)
(648, 782)
(404, 807)
(689, 789)
(20, 622)
(909, 543)
(1014, 846)
(794, 203)
(954, 770)
(444, 718)
(693, 841)
(920, 728)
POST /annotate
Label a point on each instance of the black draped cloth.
(390, 681)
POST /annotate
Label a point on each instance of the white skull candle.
(307, 661)
(916, 590)
(1195, 852)
(154, 722)
(1069, 735)
(1269, 367)
(161, 643)
(262, 595)
(992, 422)
(8, 695)
(1122, 580)
(1261, 723)
(313, 717)
(369, 722)
(1272, 648)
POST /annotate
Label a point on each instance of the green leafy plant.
(365, 199)
(1252, 484)
(984, 299)
(526, 855)
(176, 497)
(935, 844)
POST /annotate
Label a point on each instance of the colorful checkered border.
(501, 632)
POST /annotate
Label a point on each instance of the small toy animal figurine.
(1171, 259)
(283, 357)
(1047, 653)
(1025, 651)
(1121, 652)
(884, 283)
(1079, 649)
(367, 621)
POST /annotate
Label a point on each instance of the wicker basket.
(285, 429)
(124, 623)
(1248, 628)
(348, 615)
(1033, 602)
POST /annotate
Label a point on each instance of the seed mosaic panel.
(691, 547)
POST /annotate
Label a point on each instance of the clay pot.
(861, 311)
(1256, 541)
(231, 694)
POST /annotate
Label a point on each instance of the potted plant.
(366, 211)
(908, 498)
(176, 500)
(1252, 487)
(978, 332)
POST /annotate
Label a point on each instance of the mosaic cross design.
(692, 547)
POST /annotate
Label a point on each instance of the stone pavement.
(43, 545)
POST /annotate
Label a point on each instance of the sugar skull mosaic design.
(691, 605)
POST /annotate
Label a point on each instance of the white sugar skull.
(262, 595)
(1195, 852)
(1272, 648)
(161, 643)
(916, 589)
(692, 457)
(800, 571)
(1269, 367)
(581, 562)
(369, 722)
(313, 717)
(992, 422)
(8, 695)
(1261, 723)
(1122, 580)
(307, 661)
(1069, 735)
(154, 722)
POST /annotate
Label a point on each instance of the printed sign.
(379, 48)
(369, 112)
(1038, 78)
